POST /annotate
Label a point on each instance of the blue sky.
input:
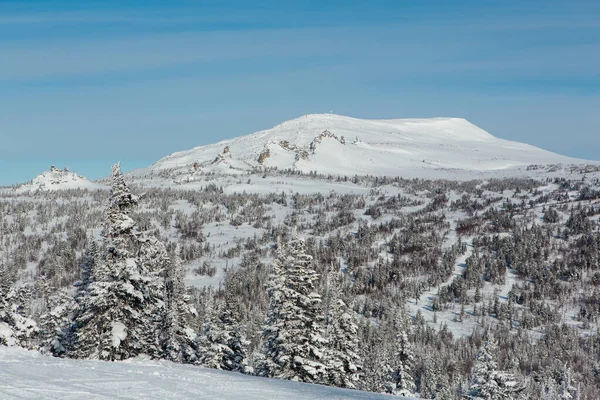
(85, 84)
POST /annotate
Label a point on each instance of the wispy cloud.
(122, 17)
(63, 58)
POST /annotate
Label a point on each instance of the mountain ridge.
(339, 145)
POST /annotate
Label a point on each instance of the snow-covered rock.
(338, 145)
(59, 179)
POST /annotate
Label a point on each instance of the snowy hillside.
(59, 179)
(30, 375)
(428, 257)
(338, 145)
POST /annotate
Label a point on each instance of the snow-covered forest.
(435, 289)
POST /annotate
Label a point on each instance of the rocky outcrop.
(323, 135)
(221, 156)
(58, 179)
(302, 155)
(263, 156)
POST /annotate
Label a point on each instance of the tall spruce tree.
(214, 350)
(223, 344)
(295, 346)
(66, 340)
(342, 335)
(232, 322)
(54, 323)
(178, 333)
(16, 328)
(121, 297)
(490, 383)
(401, 373)
(568, 389)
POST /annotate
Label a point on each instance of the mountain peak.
(341, 145)
(58, 179)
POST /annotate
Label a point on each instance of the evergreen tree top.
(120, 195)
(120, 204)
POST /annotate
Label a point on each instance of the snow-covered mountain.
(59, 179)
(338, 145)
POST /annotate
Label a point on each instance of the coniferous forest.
(436, 289)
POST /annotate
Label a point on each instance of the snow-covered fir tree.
(556, 384)
(57, 323)
(549, 389)
(295, 346)
(213, 349)
(401, 371)
(153, 261)
(178, 333)
(16, 328)
(232, 323)
(342, 334)
(568, 389)
(490, 383)
(87, 268)
(222, 343)
(268, 363)
(559, 383)
(121, 303)
(375, 374)
(54, 323)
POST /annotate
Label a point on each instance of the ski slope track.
(338, 145)
(30, 375)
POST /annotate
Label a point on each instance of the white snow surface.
(395, 147)
(59, 179)
(31, 375)
(119, 333)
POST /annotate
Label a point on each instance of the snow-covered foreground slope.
(30, 375)
(338, 145)
(59, 179)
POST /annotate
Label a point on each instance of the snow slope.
(59, 179)
(30, 375)
(338, 145)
